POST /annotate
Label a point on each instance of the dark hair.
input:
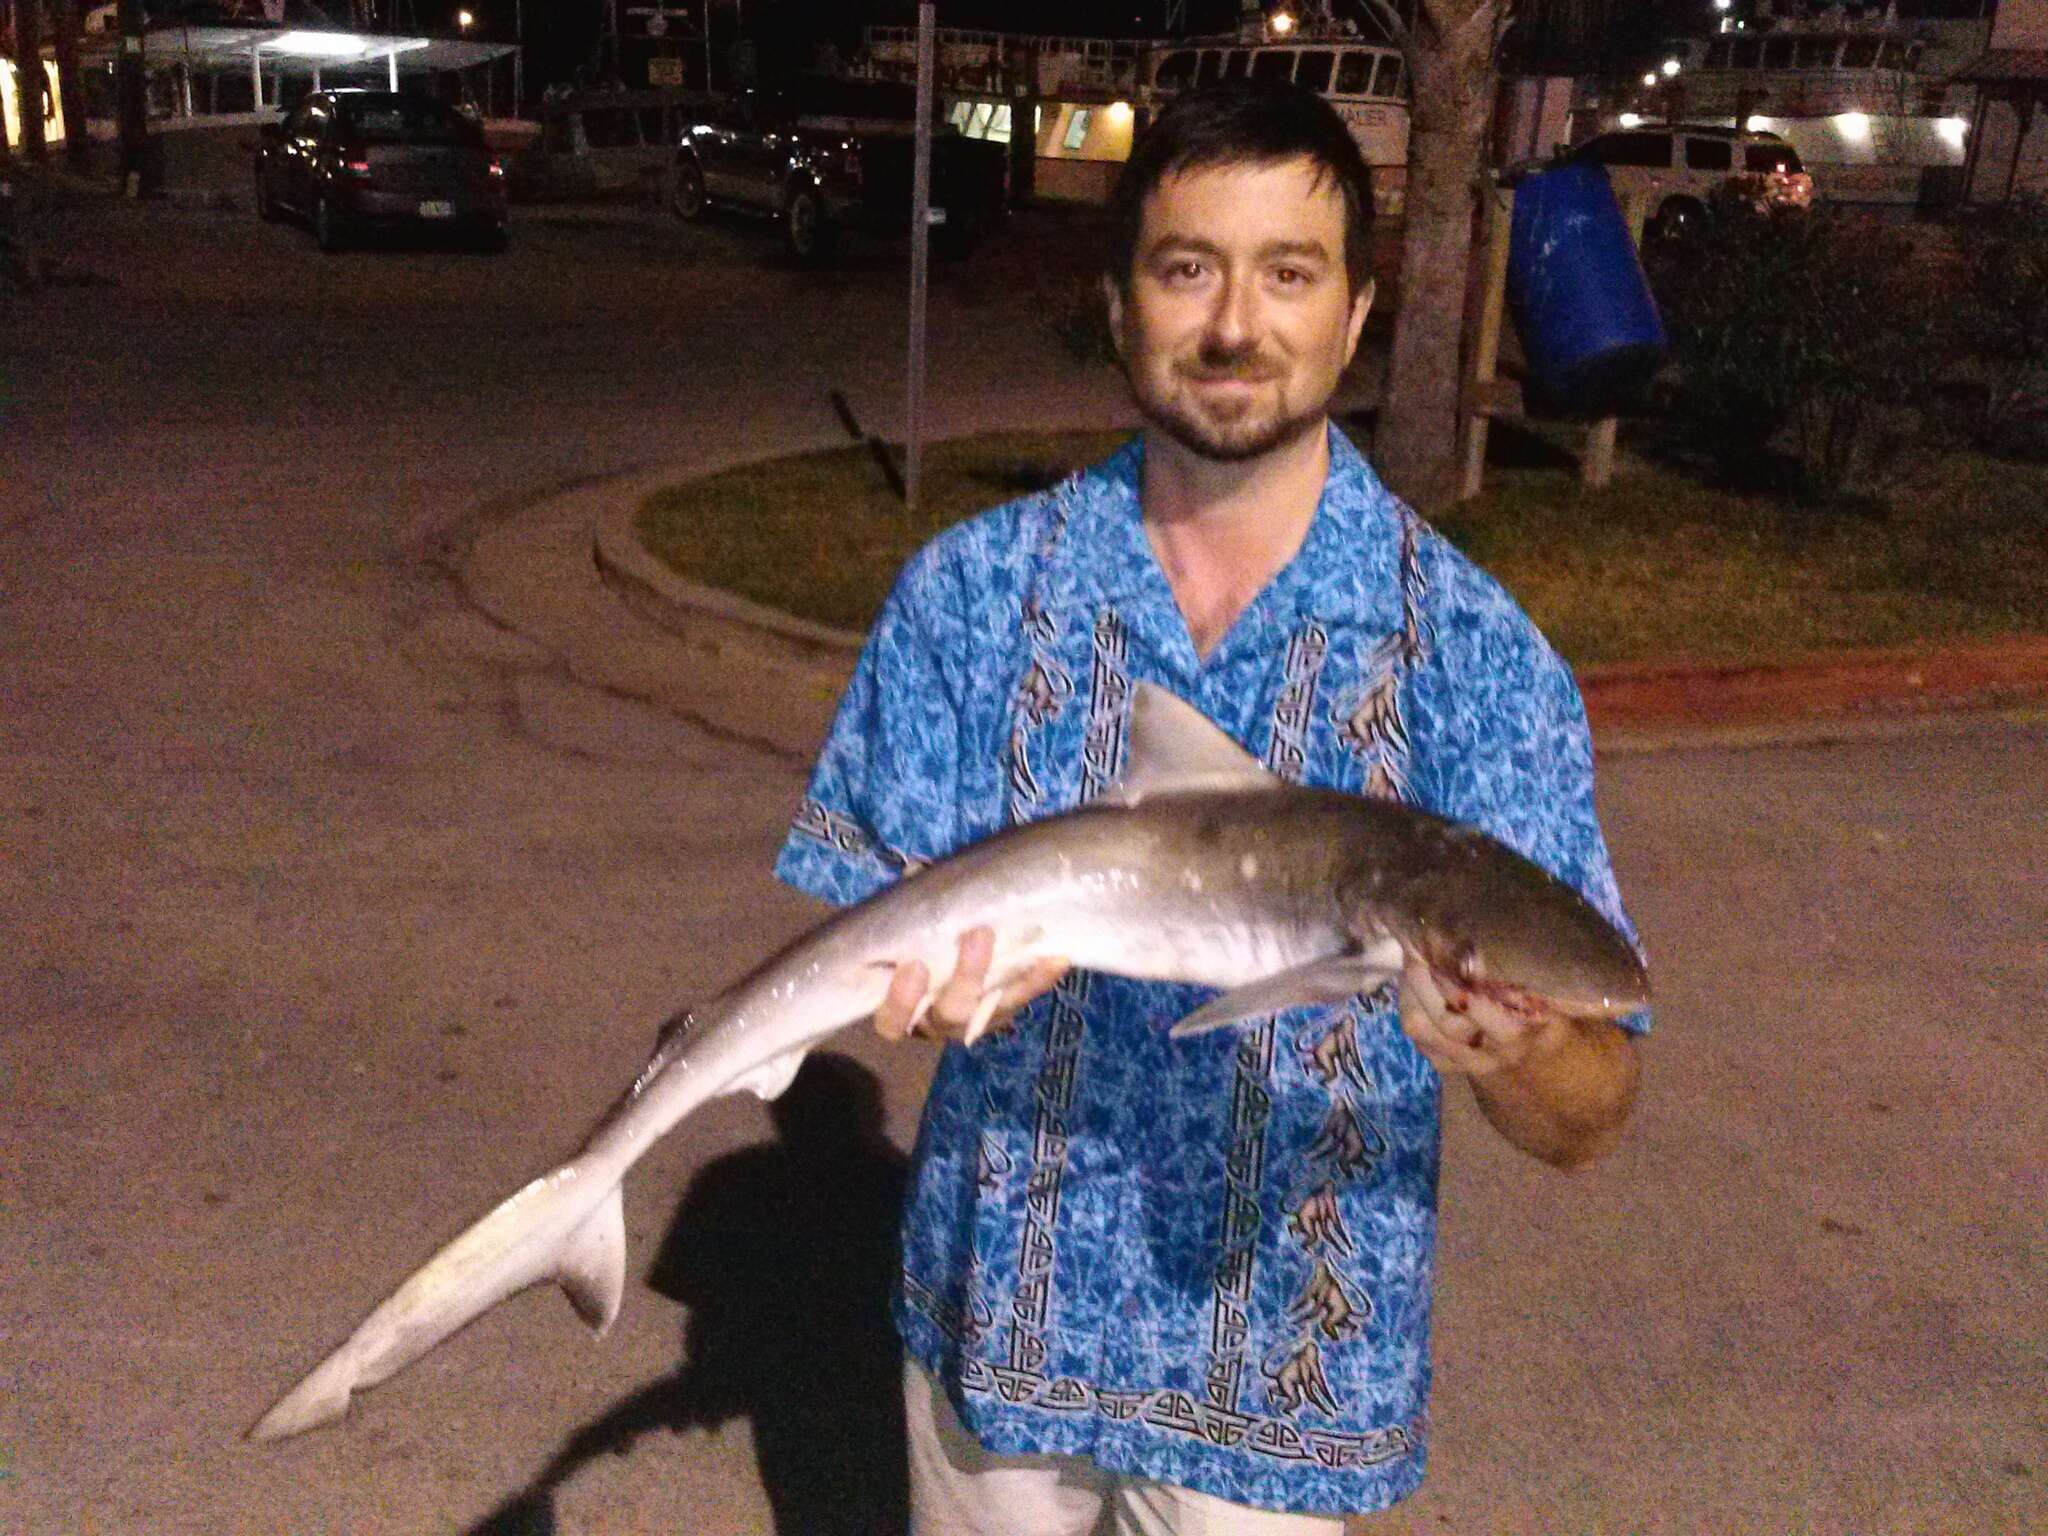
(1243, 122)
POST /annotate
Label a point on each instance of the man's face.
(1239, 319)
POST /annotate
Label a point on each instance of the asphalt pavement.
(345, 896)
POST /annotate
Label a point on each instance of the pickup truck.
(823, 155)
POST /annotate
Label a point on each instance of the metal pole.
(518, 57)
(920, 255)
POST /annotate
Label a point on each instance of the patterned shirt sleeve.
(883, 799)
(1517, 758)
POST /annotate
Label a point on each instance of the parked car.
(1682, 167)
(604, 144)
(823, 155)
(356, 163)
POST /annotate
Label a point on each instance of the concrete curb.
(538, 573)
(625, 559)
(567, 569)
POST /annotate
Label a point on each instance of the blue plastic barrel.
(1589, 327)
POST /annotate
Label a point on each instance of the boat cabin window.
(1273, 64)
(1860, 53)
(1387, 79)
(1176, 70)
(1354, 72)
(1077, 128)
(1709, 155)
(1236, 64)
(1212, 67)
(1778, 52)
(1746, 53)
(1896, 56)
(1313, 72)
(1817, 52)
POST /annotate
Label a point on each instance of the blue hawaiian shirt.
(1204, 1262)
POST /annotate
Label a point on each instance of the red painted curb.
(1825, 685)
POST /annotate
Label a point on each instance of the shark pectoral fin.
(1329, 979)
(768, 1080)
(593, 1264)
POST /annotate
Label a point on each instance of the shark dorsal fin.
(1175, 748)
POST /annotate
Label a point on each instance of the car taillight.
(496, 168)
(356, 167)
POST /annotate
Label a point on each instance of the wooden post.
(69, 18)
(1596, 463)
(138, 171)
(1498, 204)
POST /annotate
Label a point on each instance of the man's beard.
(1236, 441)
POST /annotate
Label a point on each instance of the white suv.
(1681, 166)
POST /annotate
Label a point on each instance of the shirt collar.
(1348, 565)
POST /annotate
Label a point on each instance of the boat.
(1090, 96)
(1868, 98)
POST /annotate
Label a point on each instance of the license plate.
(437, 210)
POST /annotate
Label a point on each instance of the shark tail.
(542, 1233)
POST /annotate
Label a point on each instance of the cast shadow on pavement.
(785, 1255)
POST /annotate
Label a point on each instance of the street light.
(1282, 24)
(465, 20)
(1671, 67)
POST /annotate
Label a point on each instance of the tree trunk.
(1450, 65)
(28, 76)
(69, 20)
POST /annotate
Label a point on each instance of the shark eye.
(1465, 963)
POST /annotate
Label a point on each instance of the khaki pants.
(959, 1489)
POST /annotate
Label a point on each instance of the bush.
(1823, 334)
(1998, 323)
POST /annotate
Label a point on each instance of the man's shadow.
(786, 1256)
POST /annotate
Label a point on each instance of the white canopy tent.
(270, 53)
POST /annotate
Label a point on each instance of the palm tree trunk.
(1451, 68)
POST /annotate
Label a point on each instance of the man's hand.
(964, 1007)
(1558, 1088)
(1467, 1035)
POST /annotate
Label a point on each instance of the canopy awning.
(298, 50)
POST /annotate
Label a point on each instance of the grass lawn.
(1659, 566)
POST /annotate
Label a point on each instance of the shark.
(1198, 866)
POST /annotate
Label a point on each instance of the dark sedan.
(357, 163)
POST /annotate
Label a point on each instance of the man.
(1189, 1281)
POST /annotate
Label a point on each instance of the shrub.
(1998, 325)
(1820, 333)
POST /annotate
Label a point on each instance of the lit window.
(1077, 127)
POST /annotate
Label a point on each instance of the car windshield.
(407, 120)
